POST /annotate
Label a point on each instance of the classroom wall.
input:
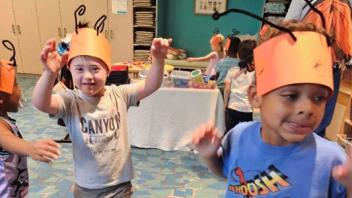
(177, 20)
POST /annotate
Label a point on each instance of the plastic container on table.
(180, 78)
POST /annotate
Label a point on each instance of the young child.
(281, 156)
(217, 47)
(237, 82)
(13, 149)
(96, 115)
(230, 61)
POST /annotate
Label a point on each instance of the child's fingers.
(165, 42)
(48, 155)
(48, 146)
(205, 132)
(64, 59)
(198, 134)
(217, 133)
(157, 42)
(53, 44)
(44, 53)
(340, 173)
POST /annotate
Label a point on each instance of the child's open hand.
(206, 140)
(45, 150)
(52, 61)
(159, 47)
(343, 172)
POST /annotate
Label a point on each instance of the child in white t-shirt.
(237, 82)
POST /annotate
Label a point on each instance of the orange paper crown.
(7, 77)
(282, 61)
(217, 39)
(227, 43)
(88, 43)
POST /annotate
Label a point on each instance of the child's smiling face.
(89, 75)
(291, 112)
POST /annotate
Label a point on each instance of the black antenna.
(217, 15)
(11, 48)
(318, 12)
(99, 25)
(79, 11)
(311, 6)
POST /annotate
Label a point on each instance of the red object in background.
(118, 74)
(120, 67)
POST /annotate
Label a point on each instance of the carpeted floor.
(158, 173)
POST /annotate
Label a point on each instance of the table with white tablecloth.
(166, 119)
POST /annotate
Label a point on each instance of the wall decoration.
(208, 6)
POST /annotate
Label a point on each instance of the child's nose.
(306, 107)
(88, 75)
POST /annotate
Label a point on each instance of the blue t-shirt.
(222, 67)
(256, 169)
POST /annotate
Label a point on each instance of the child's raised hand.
(206, 140)
(45, 150)
(159, 47)
(343, 172)
(52, 61)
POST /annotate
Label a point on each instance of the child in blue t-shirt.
(230, 61)
(280, 156)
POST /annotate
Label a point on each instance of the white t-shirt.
(211, 68)
(240, 82)
(98, 130)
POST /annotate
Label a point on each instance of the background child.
(228, 62)
(96, 115)
(217, 47)
(13, 149)
(281, 156)
(237, 82)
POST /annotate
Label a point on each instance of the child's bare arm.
(201, 59)
(207, 140)
(227, 91)
(52, 61)
(156, 72)
(41, 150)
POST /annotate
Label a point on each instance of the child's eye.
(290, 96)
(320, 98)
(79, 69)
(95, 69)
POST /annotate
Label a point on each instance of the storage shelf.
(151, 7)
(147, 45)
(144, 28)
(271, 14)
(343, 141)
(278, 1)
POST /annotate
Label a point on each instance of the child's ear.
(253, 98)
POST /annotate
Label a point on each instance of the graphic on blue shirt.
(254, 183)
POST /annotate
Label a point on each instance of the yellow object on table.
(167, 67)
(136, 67)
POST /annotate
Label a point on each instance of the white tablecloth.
(166, 119)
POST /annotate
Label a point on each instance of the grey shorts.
(123, 190)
